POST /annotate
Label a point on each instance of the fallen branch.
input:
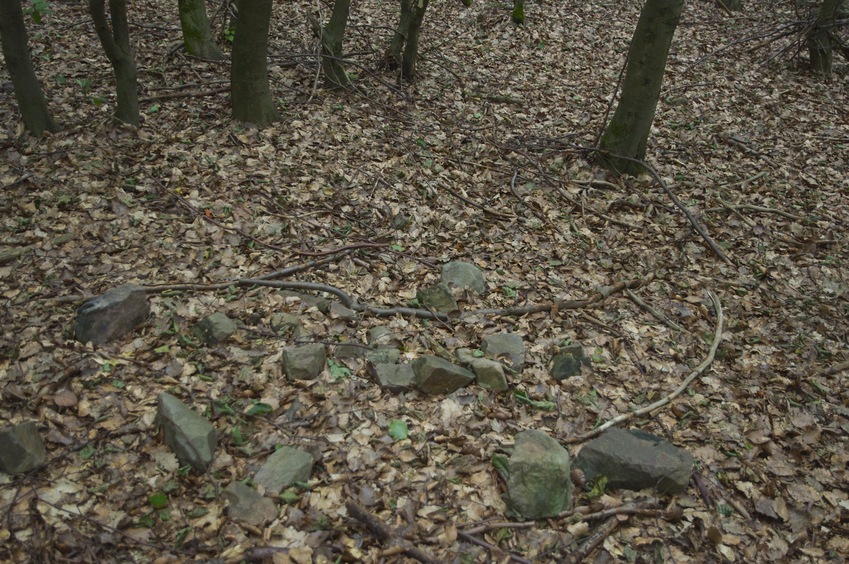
(654, 313)
(717, 337)
(593, 540)
(491, 547)
(385, 533)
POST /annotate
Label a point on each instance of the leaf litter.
(400, 180)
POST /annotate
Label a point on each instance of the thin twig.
(385, 533)
(656, 314)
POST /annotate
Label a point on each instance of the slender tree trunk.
(332, 36)
(820, 39)
(250, 91)
(28, 93)
(197, 33)
(392, 56)
(116, 44)
(411, 48)
(628, 131)
(519, 11)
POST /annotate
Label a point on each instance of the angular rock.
(490, 374)
(382, 335)
(435, 375)
(304, 362)
(505, 345)
(21, 448)
(464, 276)
(287, 324)
(396, 378)
(635, 460)
(283, 468)
(215, 328)
(438, 298)
(539, 484)
(246, 504)
(192, 438)
(111, 315)
(321, 304)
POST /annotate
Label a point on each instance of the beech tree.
(250, 91)
(197, 33)
(821, 37)
(403, 49)
(28, 93)
(627, 133)
(116, 43)
(332, 36)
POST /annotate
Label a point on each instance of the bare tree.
(403, 49)
(28, 93)
(627, 133)
(115, 40)
(197, 33)
(250, 91)
(332, 36)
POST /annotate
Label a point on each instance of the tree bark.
(627, 133)
(518, 11)
(332, 36)
(116, 44)
(249, 87)
(820, 40)
(197, 33)
(28, 93)
(392, 57)
(411, 48)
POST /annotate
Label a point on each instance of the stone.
(215, 328)
(304, 362)
(568, 362)
(464, 276)
(192, 438)
(286, 324)
(438, 298)
(635, 460)
(505, 346)
(111, 315)
(382, 355)
(338, 311)
(246, 504)
(435, 375)
(321, 304)
(489, 373)
(395, 378)
(381, 335)
(539, 483)
(283, 468)
(21, 448)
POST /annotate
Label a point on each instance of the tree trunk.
(392, 57)
(518, 11)
(411, 48)
(628, 131)
(820, 40)
(332, 36)
(250, 91)
(28, 93)
(197, 34)
(116, 44)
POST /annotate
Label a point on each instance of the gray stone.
(287, 324)
(438, 298)
(246, 504)
(539, 483)
(283, 468)
(382, 355)
(505, 346)
(338, 311)
(215, 328)
(568, 362)
(21, 448)
(192, 438)
(435, 375)
(322, 304)
(304, 362)
(635, 460)
(396, 378)
(111, 315)
(490, 374)
(349, 350)
(464, 276)
(382, 335)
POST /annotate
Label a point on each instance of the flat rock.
(464, 276)
(304, 362)
(192, 438)
(438, 298)
(568, 362)
(635, 460)
(435, 375)
(489, 373)
(539, 482)
(396, 378)
(382, 355)
(21, 448)
(111, 315)
(246, 504)
(283, 468)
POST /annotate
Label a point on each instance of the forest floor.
(483, 155)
